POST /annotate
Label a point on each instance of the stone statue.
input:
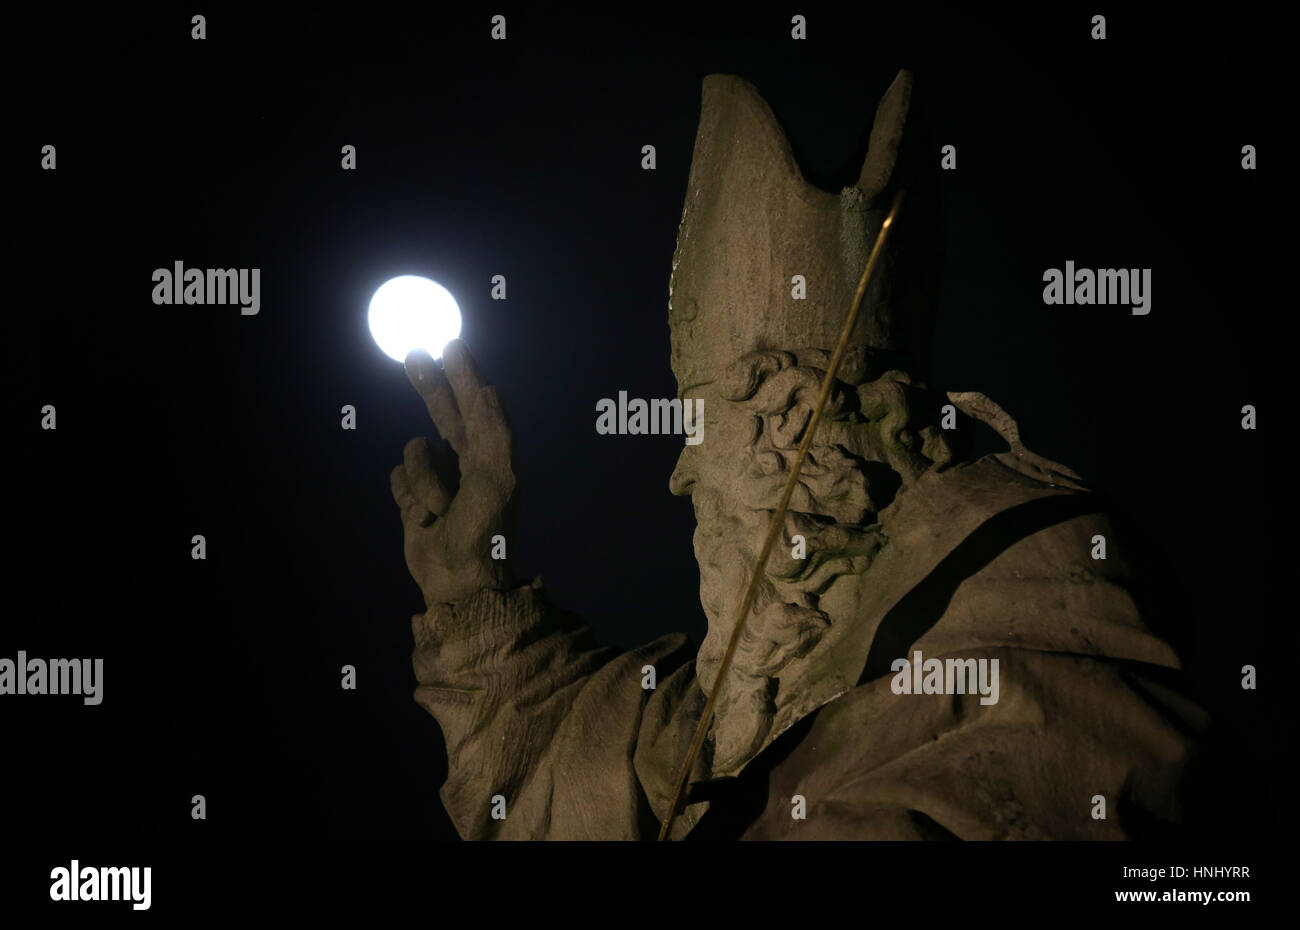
(836, 721)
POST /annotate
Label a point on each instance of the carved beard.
(842, 484)
(778, 632)
(771, 641)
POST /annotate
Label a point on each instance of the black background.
(522, 158)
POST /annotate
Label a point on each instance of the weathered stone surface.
(909, 549)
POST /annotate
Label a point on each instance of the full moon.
(412, 312)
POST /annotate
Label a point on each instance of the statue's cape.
(996, 560)
(945, 529)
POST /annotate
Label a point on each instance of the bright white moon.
(412, 312)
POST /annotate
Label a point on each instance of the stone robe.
(987, 559)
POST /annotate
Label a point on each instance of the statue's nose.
(683, 476)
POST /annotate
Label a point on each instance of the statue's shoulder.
(962, 495)
(954, 520)
(945, 505)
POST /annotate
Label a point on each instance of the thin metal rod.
(778, 518)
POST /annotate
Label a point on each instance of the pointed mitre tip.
(886, 136)
(719, 87)
(894, 104)
(903, 78)
(752, 128)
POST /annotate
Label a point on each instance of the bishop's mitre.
(751, 223)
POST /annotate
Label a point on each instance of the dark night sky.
(522, 158)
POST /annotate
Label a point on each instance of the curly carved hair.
(874, 413)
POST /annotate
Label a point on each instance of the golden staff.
(778, 517)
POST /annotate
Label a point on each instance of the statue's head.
(764, 274)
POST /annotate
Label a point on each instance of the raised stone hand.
(448, 529)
